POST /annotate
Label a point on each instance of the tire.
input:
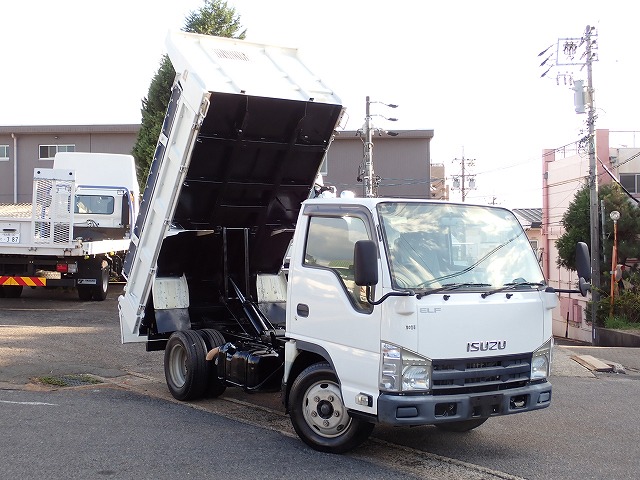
(319, 415)
(12, 291)
(213, 338)
(185, 366)
(461, 426)
(99, 291)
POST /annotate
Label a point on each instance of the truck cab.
(451, 327)
(106, 193)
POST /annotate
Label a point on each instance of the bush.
(626, 307)
(619, 323)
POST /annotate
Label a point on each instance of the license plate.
(86, 281)
(9, 237)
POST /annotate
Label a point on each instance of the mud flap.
(171, 304)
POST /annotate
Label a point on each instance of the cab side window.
(330, 243)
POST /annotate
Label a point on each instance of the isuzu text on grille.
(484, 346)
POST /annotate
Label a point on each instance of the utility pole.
(569, 48)
(460, 182)
(593, 187)
(369, 180)
(366, 174)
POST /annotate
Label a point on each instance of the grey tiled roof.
(529, 217)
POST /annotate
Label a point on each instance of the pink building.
(564, 171)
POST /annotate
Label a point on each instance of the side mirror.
(365, 263)
(584, 286)
(583, 265)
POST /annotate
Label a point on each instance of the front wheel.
(461, 426)
(319, 415)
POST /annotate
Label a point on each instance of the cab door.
(327, 309)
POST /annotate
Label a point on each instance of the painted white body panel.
(264, 70)
(100, 169)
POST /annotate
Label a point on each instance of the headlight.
(541, 361)
(403, 371)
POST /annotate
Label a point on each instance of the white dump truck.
(77, 229)
(392, 311)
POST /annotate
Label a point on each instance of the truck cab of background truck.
(107, 191)
(457, 327)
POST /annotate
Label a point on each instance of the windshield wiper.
(511, 286)
(448, 287)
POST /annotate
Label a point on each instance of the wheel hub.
(324, 410)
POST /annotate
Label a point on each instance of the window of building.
(47, 152)
(4, 153)
(630, 182)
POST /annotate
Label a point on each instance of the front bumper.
(430, 409)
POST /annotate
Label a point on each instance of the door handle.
(302, 310)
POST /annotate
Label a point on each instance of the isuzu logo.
(485, 346)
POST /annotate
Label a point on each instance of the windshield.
(431, 245)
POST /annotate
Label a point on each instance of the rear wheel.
(185, 366)
(319, 415)
(212, 339)
(461, 426)
(99, 291)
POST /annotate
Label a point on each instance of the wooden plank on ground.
(592, 363)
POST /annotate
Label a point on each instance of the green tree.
(628, 225)
(153, 110)
(576, 223)
(215, 17)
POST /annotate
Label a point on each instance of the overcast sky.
(469, 70)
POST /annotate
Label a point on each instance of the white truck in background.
(399, 312)
(76, 230)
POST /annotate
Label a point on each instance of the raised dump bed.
(246, 131)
